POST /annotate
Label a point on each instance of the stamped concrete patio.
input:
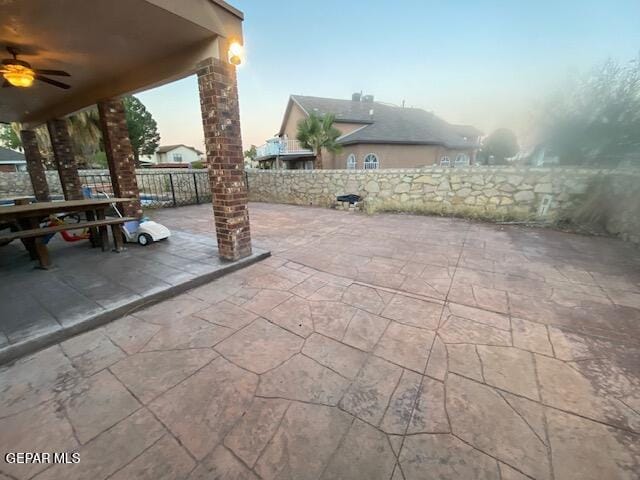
(384, 347)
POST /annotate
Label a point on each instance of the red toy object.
(72, 237)
(67, 235)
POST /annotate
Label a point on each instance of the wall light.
(18, 75)
(236, 53)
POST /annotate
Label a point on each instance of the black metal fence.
(158, 189)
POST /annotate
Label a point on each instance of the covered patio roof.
(125, 46)
(105, 49)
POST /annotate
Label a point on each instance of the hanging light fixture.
(236, 53)
(18, 75)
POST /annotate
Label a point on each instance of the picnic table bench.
(25, 224)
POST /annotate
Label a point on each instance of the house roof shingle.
(388, 124)
(168, 148)
(8, 155)
(467, 130)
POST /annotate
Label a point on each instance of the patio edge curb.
(16, 351)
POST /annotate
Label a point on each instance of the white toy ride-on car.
(145, 232)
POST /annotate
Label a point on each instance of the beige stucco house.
(374, 135)
(173, 155)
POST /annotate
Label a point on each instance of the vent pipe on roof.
(355, 97)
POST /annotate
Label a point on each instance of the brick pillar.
(35, 166)
(122, 164)
(223, 143)
(66, 162)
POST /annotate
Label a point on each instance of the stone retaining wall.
(489, 193)
(18, 183)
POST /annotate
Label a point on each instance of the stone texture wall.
(490, 193)
(13, 184)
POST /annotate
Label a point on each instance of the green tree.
(84, 131)
(143, 129)
(9, 136)
(499, 146)
(86, 134)
(596, 120)
(250, 156)
(316, 132)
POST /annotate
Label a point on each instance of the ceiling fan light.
(18, 75)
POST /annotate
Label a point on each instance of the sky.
(479, 62)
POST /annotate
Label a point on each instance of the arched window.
(371, 162)
(444, 161)
(351, 162)
(462, 160)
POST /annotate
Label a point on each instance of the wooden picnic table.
(29, 216)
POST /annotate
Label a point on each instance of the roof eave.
(391, 142)
(287, 112)
(350, 120)
(348, 141)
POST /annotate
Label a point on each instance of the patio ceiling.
(110, 48)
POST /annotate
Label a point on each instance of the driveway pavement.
(383, 347)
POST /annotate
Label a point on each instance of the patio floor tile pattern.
(87, 287)
(438, 348)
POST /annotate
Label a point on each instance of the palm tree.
(86, 134)
(317, 132)
(84, 130)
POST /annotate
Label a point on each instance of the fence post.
(173, 191)
(195, 185)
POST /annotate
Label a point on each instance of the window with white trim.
(351, 162)
(444, 161)
(371, 162)
(177, 157)
(462, 160)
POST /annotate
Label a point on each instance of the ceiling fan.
(18, 73)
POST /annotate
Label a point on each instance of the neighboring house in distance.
(12, 161)
(374, 135)
(172, 155)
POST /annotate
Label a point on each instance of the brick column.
(223, 143)
(35, 166)
(66, 162)
(122, 164)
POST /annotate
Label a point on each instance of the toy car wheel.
(144, 239)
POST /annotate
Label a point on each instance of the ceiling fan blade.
(6, 84)
(58, 73)
(53, 82)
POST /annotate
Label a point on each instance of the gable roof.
(7, 155)
(168, 148)
(344, 110)
(467, 130)
(388, 124)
